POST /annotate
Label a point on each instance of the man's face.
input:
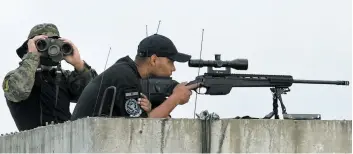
(162, 66)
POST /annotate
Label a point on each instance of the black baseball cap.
(162, 47)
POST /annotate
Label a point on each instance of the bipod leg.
(274, 104)
(283, 91)
(275, 92)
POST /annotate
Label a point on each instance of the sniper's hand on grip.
(194, 82)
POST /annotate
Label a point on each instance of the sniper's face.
(162, 66)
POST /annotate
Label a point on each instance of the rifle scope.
(238, 64)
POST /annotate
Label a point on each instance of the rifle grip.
(192, 82)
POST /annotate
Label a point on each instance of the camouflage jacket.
(18, 83)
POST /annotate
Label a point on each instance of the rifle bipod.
(277, 95)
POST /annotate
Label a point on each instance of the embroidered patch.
(132, 108)
(131, 105)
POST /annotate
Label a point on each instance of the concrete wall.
(183, 135)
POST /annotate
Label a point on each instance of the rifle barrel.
(321, 82)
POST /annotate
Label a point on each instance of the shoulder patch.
(5, 85)
(131, 105)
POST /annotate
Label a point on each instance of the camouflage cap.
(48, 29)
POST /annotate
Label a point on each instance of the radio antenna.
(94, 109)
(146, 31)
(198, 73)
(158, 26)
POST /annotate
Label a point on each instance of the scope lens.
(41, 45)
(66, 49)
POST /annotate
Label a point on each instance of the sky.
(308, 39)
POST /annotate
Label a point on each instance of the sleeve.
(78, 80)
(126, 104)
(17, 84)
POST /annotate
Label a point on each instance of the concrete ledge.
(281, 136)
(183, 135)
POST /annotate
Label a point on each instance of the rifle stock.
(157, 89)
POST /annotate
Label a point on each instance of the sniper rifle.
(221, 82)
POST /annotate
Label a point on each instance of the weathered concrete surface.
(183, 135)
(108, 135)
(281, 136)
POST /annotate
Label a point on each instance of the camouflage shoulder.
(5, 83)
(31, 55)
(17, 85)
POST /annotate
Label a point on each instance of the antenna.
(99, 90)
(146, 31)
(158, 26)
(198, 73)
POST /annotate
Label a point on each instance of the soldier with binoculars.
(39, 91)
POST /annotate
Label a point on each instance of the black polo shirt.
(124, 76)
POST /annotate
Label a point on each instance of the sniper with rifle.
(221, 82)
(216, 82)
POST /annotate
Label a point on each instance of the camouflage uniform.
(18, 84)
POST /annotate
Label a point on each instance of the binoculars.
(54, 49)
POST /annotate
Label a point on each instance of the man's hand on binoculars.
(32, 45)
(74, 59)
